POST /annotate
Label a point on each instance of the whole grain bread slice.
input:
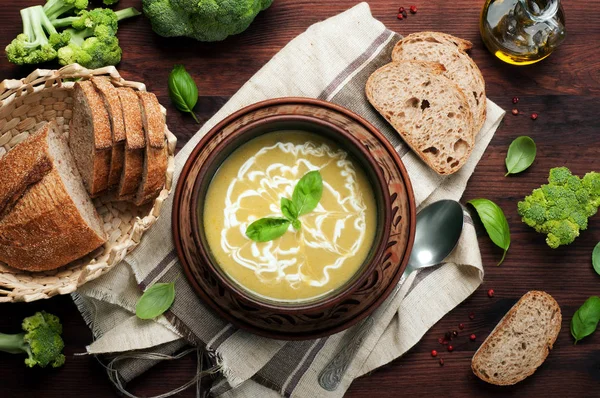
(109, 95)
(90, 137)
(156, 156)
(430, 112)
(520, 343)
(135, 145)
(50, 220)
(460, 67)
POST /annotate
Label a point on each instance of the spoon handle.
(332, 374)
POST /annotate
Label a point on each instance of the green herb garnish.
(520, 155)
(495, 223)
(183, 90)
(586, 318)
(306, 197)
(155, 301)
(596, 258)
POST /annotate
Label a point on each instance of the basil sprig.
(596, 258)
(520, 155)
(494, 222)
(586, 318)
(305, 198)
(183, 90)
(155, 301)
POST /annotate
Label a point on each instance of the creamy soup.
(334, 239)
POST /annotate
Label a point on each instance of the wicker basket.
(24, 105)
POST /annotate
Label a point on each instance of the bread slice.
(49, 220)
(460, 68)
(90, 137)
(430, 112)
(109, 95)
(156, 157)
(135, 145)
(520, 343)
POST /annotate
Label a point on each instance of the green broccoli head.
(41, 341)
(203, 20)
(560, 209)
(55, 8)
(96, 17)
(93, 52)
(39, 40)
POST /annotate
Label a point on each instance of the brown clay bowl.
(371, 284)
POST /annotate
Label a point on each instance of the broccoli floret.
(203, 20)
(39, 40)
(561, 208)
(41, 341)
(93, 43)
(55, 8)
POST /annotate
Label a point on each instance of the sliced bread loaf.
(430, 112)
(135, 144)
(115, 114)
(460, 68)
(156, 156)
(90, 137)
(520, 343)
(49, 219)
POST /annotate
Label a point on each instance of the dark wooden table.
(564, 90)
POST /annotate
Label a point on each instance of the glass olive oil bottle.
(522, 32)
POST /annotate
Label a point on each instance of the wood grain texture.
(564, 90)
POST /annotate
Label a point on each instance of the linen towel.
(331, 61)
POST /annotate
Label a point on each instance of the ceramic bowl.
(380, 272)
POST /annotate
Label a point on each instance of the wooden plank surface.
(564, 90)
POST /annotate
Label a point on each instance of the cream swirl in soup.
(334, 239)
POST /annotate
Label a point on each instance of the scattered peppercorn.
(461, 326)
(472, 337)
(401, 10)
(413, 9)
(515, 100)
(400, 16)
(433, 353)
(441, 340)
(491, 293)
(441, 362)
(450, 348)
(534, 116)
(454, 333)
(515, 111)
(448, 335)
(472, 316)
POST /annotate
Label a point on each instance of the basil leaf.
(183, 90)
(495, 223)
(586, 318)
(267, 229)
(520, 155)
(296, 224)
(596, 258)
(308, 192)
(155, 301)
(289, 210)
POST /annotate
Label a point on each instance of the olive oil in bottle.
(522, 32)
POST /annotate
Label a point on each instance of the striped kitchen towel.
(330, 61)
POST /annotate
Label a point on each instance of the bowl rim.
(177, 204)
(342, 292)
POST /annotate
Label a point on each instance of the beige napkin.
(331, 61)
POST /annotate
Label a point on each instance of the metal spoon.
(438, 230)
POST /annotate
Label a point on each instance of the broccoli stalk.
(89, 19)
(55, 8)
(39, 40)
(41, 341)
(561, 208)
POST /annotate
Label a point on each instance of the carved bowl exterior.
(376, 278)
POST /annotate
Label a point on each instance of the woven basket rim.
(17, 285)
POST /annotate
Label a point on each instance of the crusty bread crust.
(135, 146)
(155, 164)
(89, 111)
(44, 229)
(428, 110)
(547, 332)
(112, 104)
(460, 67)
